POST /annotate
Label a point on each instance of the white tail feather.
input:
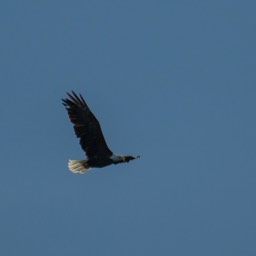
(78, 166)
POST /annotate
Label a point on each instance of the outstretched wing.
(86, 127)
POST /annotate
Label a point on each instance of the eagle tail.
(78, 166)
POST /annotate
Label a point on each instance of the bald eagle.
(87, 129)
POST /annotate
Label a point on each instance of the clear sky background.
(173, 81)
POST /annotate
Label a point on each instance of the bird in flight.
(87, 129)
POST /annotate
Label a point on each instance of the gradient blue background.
(173, 81)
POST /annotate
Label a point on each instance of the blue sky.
(173, 81)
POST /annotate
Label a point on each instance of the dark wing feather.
(86, 127)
